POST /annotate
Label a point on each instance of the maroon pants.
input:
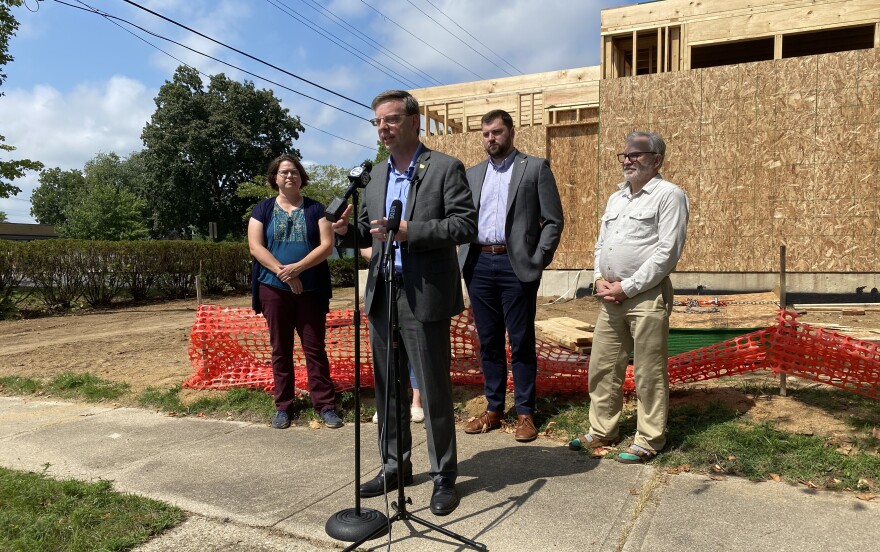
(286, 312)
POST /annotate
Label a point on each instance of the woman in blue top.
(291, 240)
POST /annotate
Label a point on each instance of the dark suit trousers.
(286, 312)
(426, 347)
(502, 302)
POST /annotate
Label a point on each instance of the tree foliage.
(98, 203)
(326, 182)
(105, 212)
(382, 155)
(202, 144)
(10, 169)
(54, 193)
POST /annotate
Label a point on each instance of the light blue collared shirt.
(399, 184)
(493, 201)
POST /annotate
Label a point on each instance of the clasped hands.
(289, 274)
(379, 230)
(611, 292)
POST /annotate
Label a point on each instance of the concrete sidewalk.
(253, 488)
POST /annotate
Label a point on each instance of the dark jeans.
(500, 302)
(286, 312)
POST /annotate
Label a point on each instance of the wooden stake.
(783, 381)
(199, 284)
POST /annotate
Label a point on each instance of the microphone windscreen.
(393, 224)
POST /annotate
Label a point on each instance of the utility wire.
(475, 38)
(369, 41)
(457, 38)
(258, 60)
(342, 44)
(404, 29)
(111, 18)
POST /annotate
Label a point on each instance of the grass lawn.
(38, 514)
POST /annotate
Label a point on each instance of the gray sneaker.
(281, 420)
(331, 419)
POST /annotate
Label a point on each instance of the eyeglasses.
(288, 173)
(632, 156)
(392, 120)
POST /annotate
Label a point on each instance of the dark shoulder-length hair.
(273, 170)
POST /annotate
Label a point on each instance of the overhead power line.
(404, 29)
(396, 58)
(258, 60)
(457, 38)
(343, 44)
(113, 19)
(475, 38)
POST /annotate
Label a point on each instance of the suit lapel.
(378, 205)
(519, 169)
(477, 186)
(421, 168)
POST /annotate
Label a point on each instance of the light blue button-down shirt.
(493, 201)
(399, 184)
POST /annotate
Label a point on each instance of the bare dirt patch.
(146, 346)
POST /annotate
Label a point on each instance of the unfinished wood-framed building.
(770, 111)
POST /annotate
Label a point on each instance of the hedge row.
(61, 272)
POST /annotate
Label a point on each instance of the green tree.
(97, 203)
(10, 169)
(326, 182)
(2, 216)
(55, 192)
(105, 212)
(203, 143)
(382, 155)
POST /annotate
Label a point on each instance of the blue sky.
(80, 85)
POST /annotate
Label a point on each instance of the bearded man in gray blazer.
(438, 215)
(520, 224)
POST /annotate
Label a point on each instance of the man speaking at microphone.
(438, 214)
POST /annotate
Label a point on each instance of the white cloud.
(67, 130)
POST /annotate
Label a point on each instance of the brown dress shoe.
(485, 422)
(525, 429)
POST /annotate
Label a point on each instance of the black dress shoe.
(376, 486)
(445, 498)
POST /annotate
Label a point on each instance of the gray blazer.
(440, 215)
(534, 220)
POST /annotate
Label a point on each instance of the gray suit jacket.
(440, 215)
(534, 220)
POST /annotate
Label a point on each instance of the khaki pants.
(638, 326)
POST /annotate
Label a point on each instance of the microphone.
(392, 226)
(358, 177)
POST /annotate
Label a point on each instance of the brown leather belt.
(496, 249)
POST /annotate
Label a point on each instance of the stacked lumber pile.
(567, 332)
(846, 309)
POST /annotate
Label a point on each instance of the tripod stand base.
(348, 526)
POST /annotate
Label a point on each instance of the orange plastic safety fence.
(813, 353)
(229, 347)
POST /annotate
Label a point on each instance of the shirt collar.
(409, 170)
(504, 165)
(647, 188)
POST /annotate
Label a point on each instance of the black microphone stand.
(353, 523)
(395, 375)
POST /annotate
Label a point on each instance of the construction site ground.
(146, 346)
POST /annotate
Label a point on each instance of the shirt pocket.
(642, 224)
(609, 220)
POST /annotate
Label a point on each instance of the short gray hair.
(655, 141)
(410, 103)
